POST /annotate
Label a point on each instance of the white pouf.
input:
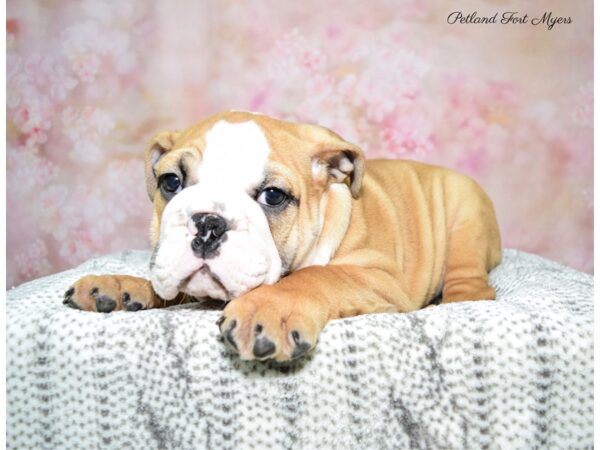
(513, 373)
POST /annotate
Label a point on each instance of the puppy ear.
(158, 146)
(338, 161)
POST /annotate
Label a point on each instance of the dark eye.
(170, 183)
(272, 196)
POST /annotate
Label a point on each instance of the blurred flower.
(293, 56)
(28, 170)
(86, 128)
(86, 66)
(32, 261)
(583, 108)
(408, 137)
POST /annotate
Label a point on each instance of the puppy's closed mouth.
(205, 269)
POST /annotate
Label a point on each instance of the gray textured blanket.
(514, 373)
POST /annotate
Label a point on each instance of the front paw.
(267, 324)
(107, 293)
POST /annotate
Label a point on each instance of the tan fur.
(334, 219)
(400, 233)
(88, 288)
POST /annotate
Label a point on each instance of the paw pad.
(263, 347)
(104, 303)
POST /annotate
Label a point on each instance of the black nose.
(211, 232)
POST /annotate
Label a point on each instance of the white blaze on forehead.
(235, 156)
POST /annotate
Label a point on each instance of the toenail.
(301, 347)
(229, 336)
(69, 302)
(300, 350)
(258, 328)
(125, 297)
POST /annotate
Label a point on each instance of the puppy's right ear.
(158, 146)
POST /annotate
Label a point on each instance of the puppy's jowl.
(291, 227)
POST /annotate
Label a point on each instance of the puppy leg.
(473, 250)
(107, 293)
(283, 321)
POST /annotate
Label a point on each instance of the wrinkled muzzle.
(213, 243)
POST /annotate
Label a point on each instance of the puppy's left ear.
(338, 161)
(159, 145)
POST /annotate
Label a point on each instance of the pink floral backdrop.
(88, 82)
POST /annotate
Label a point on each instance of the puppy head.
(242, 199)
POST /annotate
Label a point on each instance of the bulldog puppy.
(291, 227)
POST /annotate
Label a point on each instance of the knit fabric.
(512, 373)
